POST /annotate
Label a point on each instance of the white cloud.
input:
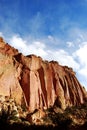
(77, 36)
(35, 47)
(83, 71)
(39, 48)
(62, 57)
(18, 43)
(70, 44)
(51, 38)
(1, 34)
(81, 53)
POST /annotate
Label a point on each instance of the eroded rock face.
(38, 84)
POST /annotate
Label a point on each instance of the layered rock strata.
(36, 83)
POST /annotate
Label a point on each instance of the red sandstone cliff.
(38, 84)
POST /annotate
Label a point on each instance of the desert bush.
(5, 117)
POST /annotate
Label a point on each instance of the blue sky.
(52, 29)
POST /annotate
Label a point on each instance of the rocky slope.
(35, 83)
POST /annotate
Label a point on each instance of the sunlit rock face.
(36, 83)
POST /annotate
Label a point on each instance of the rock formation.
(36, 83)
